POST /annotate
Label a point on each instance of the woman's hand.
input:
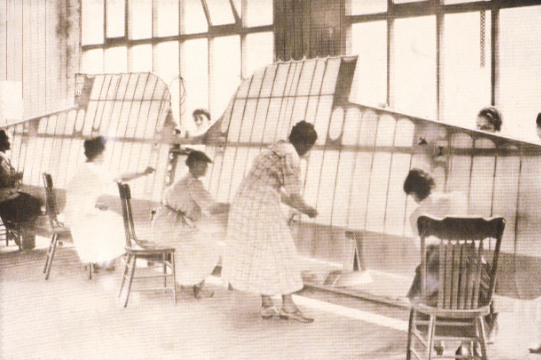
(148, 170)
(311, 212)
(101, 206)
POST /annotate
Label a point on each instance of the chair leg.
(134, 257)
(430, 339)
(164, 263)
(90, 270)
(480, 324)
(410, 330)
(50, 256)
(123, 281)
(172, 256)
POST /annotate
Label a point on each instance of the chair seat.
(145, 247)
(455, 314)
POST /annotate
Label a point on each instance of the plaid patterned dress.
(260, 254)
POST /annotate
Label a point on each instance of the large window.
(445, 60)
(190, 44)
(519, 94)
(370, 80)
(413, 66)
(466, 67)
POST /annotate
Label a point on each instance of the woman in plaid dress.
(260, 254)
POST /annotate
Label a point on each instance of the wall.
(39, 46)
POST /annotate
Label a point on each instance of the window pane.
(466, 71)
(356, 7)
(259, 51)
(116, 60)
(413, 66)
(225, 76)
(140, 19)
(520, 70)
(370, 79)
(141, 58)
(193, 17)
(167, 68)
(92, 61)
(167, 17)
(258, 13)
(220, 12)
(194, 71)
(115, 18)
(92, 13)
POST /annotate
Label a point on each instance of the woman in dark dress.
(16, 207)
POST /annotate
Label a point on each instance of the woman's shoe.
(463, 352)
(439, 347)
(493, 332)
(268, 312)
(296, 315)
(536, 349)
(202, 293)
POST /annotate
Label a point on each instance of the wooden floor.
(72, 317)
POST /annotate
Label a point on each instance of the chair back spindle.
(464, 264)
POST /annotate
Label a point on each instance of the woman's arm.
(296, 201)
(135, 175)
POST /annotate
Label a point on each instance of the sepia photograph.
(270, 179)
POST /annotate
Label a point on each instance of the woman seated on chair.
(419, 185)
(98, 233)
(188, 221)
(15, 206)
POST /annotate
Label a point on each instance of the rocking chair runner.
(464, 288)
(142, 249)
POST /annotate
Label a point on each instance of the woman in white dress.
(419, 184)
(98, 233)
(189, 221)
(260, 252)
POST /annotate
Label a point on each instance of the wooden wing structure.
(354, 174)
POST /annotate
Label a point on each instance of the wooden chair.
(57, 230)
(466, 265)
(137, 248)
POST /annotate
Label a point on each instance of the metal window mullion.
(494, 56)
(440, 101)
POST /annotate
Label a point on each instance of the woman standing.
(98, 233)
(186, 221)
(260, 252)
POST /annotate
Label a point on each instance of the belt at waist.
(185, 219)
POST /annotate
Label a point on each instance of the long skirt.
(99, 236)
(21, 208)
(260, 254)
(196, 250)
